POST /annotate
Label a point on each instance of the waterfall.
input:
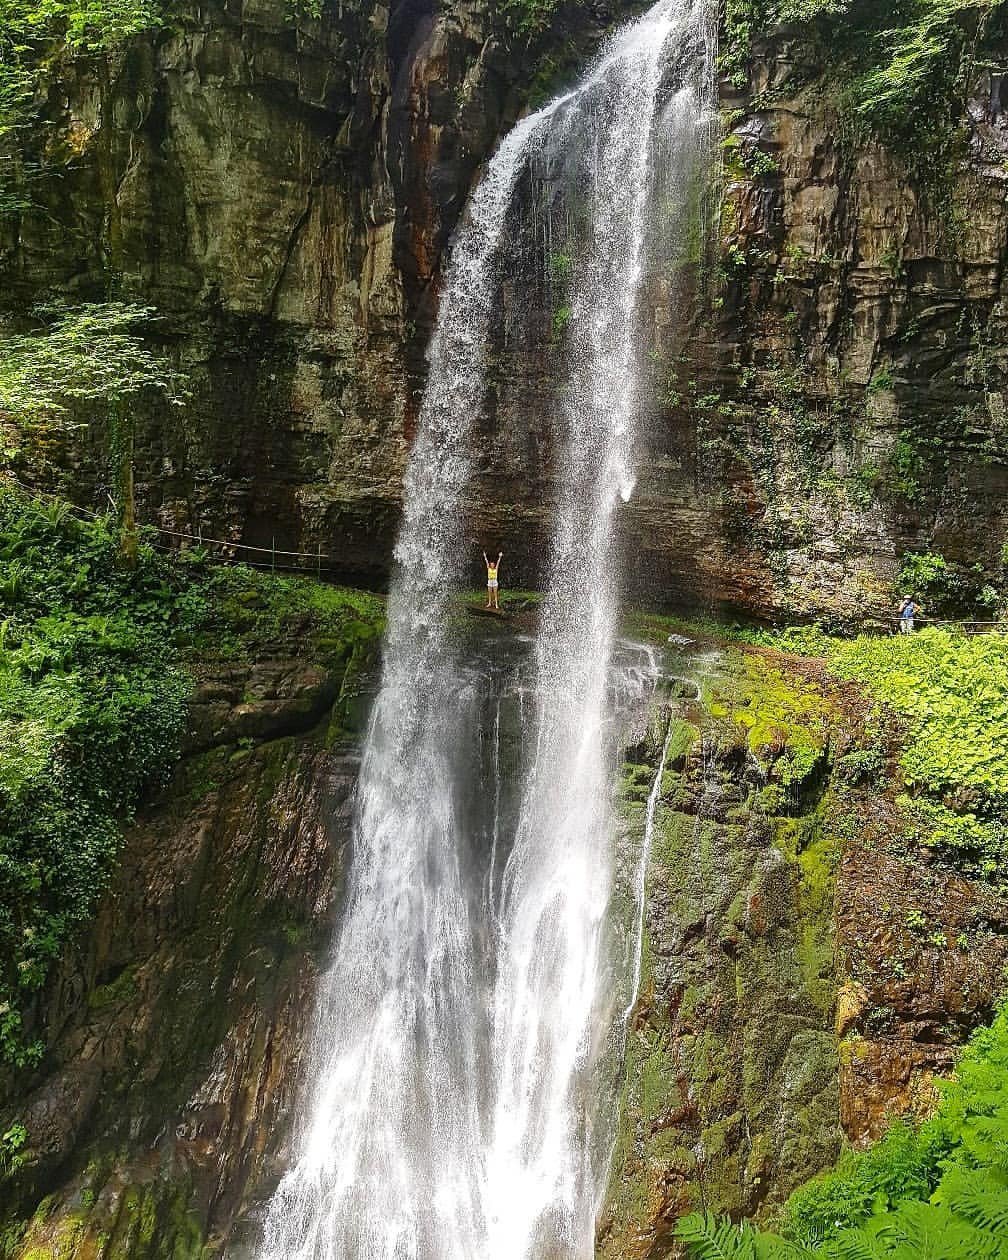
(451, 1111)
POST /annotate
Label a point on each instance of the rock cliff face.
(284, 190)
(175, 1028)
(807, 970)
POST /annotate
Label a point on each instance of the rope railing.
(943, 622)
(279, 557)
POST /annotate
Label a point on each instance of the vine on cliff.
(898, 69)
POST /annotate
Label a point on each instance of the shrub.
(948, 589)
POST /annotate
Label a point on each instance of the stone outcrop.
(176, 1028)
(174, 1025)
(807, 969)
(925, 951)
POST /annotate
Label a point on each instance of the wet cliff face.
(826, 395)
(807, 968)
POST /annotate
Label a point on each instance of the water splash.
(453, 1112)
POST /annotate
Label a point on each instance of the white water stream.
(452, 1108)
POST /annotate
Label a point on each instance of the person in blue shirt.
(908, 613)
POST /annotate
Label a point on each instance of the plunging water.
(452, 1112)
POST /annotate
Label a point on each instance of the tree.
(90, 353)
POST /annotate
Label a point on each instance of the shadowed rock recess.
(283, 190)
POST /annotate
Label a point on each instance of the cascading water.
(451, 1113)
(556, 995)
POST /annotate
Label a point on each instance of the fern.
(915, 1231)
(985, 1140)
(979, 1196)
(708, 1237)
(935, 1192)
(923, 1231)
(868, 1242)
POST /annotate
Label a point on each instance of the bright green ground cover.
(96, 663)
(945, 696)
(952, 693)
(937, 1192)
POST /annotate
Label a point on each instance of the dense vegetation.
(96, 661)
(952, 693)
(92, 355)
(937, 1192)
(947, 695)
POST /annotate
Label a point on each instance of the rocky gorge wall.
(808, 966)
(826, 393)
(175, 1024)
(807, 969)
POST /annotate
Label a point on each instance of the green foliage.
(87, 353)
(12, 1143)
(947, 589)
(903, 468)
(936, 1192)
(93, 687)
(948, 692)
(897, 69)
(708, 1237)
(924, 574)
(91, 714)
(32, 32)
(916, 55)
(529, 17)
(952, 693)
(759, 163)
(560, 265)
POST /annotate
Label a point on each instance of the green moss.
(122, 989)
(785, 719)
(681, 738)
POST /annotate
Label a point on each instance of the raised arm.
(499, 556)
(485, 560)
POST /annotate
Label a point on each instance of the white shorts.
(491, 586)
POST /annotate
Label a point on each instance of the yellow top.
(491, 573)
